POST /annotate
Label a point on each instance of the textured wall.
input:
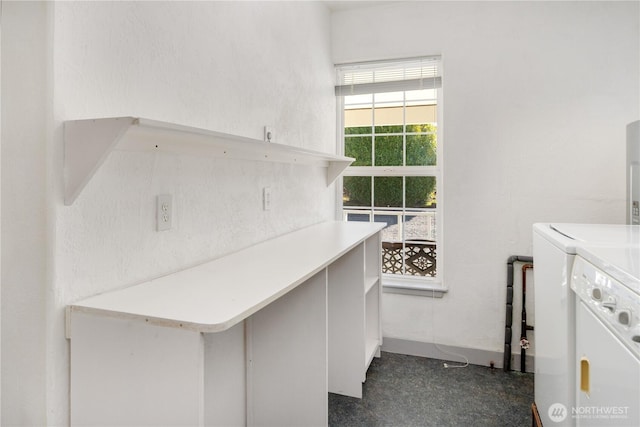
(24, 105)
(536, 99)
(226, 66)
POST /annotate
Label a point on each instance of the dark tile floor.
(415, 391)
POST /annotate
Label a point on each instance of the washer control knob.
(610, 303)
(596, 294)
(624, 317)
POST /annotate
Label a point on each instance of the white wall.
(227, 66)
(0, 211)
(24, 102)
(536, 99)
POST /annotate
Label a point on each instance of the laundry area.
(587, 354)
(320, 213)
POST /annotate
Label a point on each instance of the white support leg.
(287, 358)
(126, 373)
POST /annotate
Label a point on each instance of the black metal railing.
(415, 258)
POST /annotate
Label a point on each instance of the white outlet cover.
(266, 198)
(164, 212)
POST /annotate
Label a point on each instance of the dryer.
(554, 251)
(606, 282)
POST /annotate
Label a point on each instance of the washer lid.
(569, 236)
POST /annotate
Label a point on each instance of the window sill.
(410, 286)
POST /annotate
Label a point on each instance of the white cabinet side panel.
(373, 255)
(347, 323)
(373, 310)
(126, 373)
(288, 358)
(225, 370)
(554, 306)
(373, 336)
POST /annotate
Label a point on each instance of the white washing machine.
(607, 360)
(554, 251)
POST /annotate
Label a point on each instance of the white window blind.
(388, 76)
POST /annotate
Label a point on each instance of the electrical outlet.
(269, 135)
(266, 198)
(164, 212)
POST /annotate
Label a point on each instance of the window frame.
(394, 283)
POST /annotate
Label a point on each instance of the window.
(389, 113)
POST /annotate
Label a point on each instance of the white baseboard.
(454, 354)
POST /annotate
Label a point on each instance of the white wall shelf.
(89, 142)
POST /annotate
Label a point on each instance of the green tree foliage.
(421, 149)
(420, 191)
(421, 145)
(357, 191)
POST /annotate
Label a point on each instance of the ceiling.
(338, 5)
(355, 4)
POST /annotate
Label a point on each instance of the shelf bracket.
(335, 169)
(87, 145)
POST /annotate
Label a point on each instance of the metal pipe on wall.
(506, 366)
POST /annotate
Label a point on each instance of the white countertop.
(216, 295)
